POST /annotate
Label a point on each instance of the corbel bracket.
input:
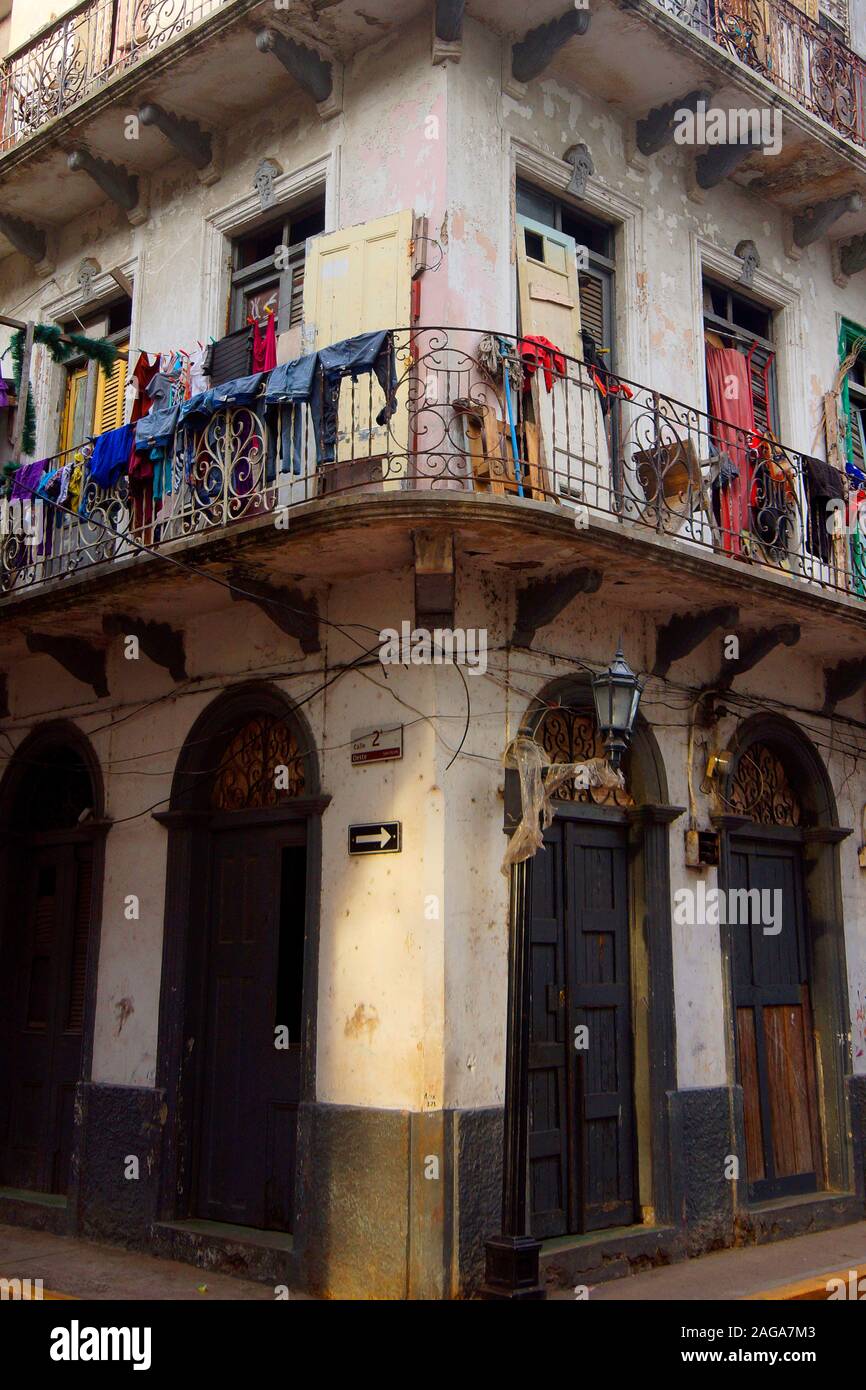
(160, 642)
(753, 648)
(317, 76)
(82, 660)
(536, 51)
(287, 609)
(115, 181)
(192, 143)
(542, 600)
(657, 128)
(684, 633)
(841, 681)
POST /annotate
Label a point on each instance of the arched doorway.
(52, 832)
(237, 1006)
(602, 1046)
(785, 948)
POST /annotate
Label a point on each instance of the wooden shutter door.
(549, 1099)
(547, 285)
(775, 1043)
(110, 397)
(44, 994)
(73, 427)
(359, 280)
(597, 931)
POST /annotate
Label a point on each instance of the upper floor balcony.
(75, 56)
(537, 463)
(73, 85)
(806, 62)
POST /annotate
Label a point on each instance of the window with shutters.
(857, 412)
(108, 402)
(733, 320)
(268, 269)
(596, 264)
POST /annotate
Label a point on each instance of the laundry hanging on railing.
(291, 384)
(824, 487)
(730, 395)
(353, 357)
(110, 458)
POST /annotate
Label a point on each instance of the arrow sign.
(381, 837)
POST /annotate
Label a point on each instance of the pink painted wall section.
(395, 150)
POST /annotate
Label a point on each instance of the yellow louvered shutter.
(108, 412)
(72, 430)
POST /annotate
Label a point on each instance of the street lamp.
(512, 1257)
(616, 693)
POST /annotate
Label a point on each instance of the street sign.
(381, 837)
(376, 745)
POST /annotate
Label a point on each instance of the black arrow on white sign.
(380, 837)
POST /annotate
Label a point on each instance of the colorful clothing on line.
(110, 458)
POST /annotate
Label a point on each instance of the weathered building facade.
(612, 392)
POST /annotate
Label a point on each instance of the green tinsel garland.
(51, 337)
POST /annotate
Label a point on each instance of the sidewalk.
(743, 1273)
(79, 1269)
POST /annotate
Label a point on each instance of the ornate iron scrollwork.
(570, 737)
(261, 767)
(761, 789)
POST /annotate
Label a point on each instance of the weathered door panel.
(43, 1001)
(251, 1087)
(547, 283)
(581, 1124)
(359, 280)
(775, 1042)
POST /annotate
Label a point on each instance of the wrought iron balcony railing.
(776, 39)
(76, 55)
(471, 413)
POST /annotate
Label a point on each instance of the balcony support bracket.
(434, 579)
(685, 632)
(30, 240)
(320, 79)
(192, 143)
(448, 30)
(753, 648)
(160, 642)
(841, 681)
(542, 601)
(852, 257)
(80, 658)
(809, 226)
(716, 163)
(536, 51)
(116, 183)
(657, 128)
(288, 609)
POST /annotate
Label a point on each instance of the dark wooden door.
(581, 1108)
(42, 994)
(774, 1038)
(251, 1087)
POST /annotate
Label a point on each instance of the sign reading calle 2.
(381, 837)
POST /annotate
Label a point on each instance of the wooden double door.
(250, 1076)
(581, 1122)
(775, 1042)
(43, 973)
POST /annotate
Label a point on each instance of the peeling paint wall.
(413, 947)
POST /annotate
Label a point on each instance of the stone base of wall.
(394, 1204)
